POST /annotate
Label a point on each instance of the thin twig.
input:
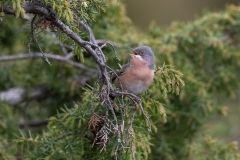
(36, 41)
(114, 51)
(62, 46)
(139, 102)
(102, 41)
(91, 35)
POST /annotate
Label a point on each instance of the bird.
(137, 75)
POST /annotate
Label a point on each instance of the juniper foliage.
(195, 62)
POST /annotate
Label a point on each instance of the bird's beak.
(134, 51)
(131, 55)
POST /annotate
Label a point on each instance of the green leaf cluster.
(212, 148)
(84, 10)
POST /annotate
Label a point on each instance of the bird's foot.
(135, 105)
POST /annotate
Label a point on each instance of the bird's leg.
(134, 104)
(115, 107)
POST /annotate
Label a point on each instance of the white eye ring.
(139, 57)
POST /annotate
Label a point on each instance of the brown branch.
(50, 56)
(34, 124)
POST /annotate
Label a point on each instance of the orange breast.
(137, 78)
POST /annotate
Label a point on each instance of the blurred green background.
(163, 13)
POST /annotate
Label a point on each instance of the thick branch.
(38, 8)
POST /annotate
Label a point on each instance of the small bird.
(137, 75)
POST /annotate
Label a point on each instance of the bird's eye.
(142, 53)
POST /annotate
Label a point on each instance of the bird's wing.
(120, 72)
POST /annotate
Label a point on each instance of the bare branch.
(136, 99)
(36, 41)
(50, 56)
(34, 124)
(62, 46)
(91, 35)
(102, 41)
(114, 51)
